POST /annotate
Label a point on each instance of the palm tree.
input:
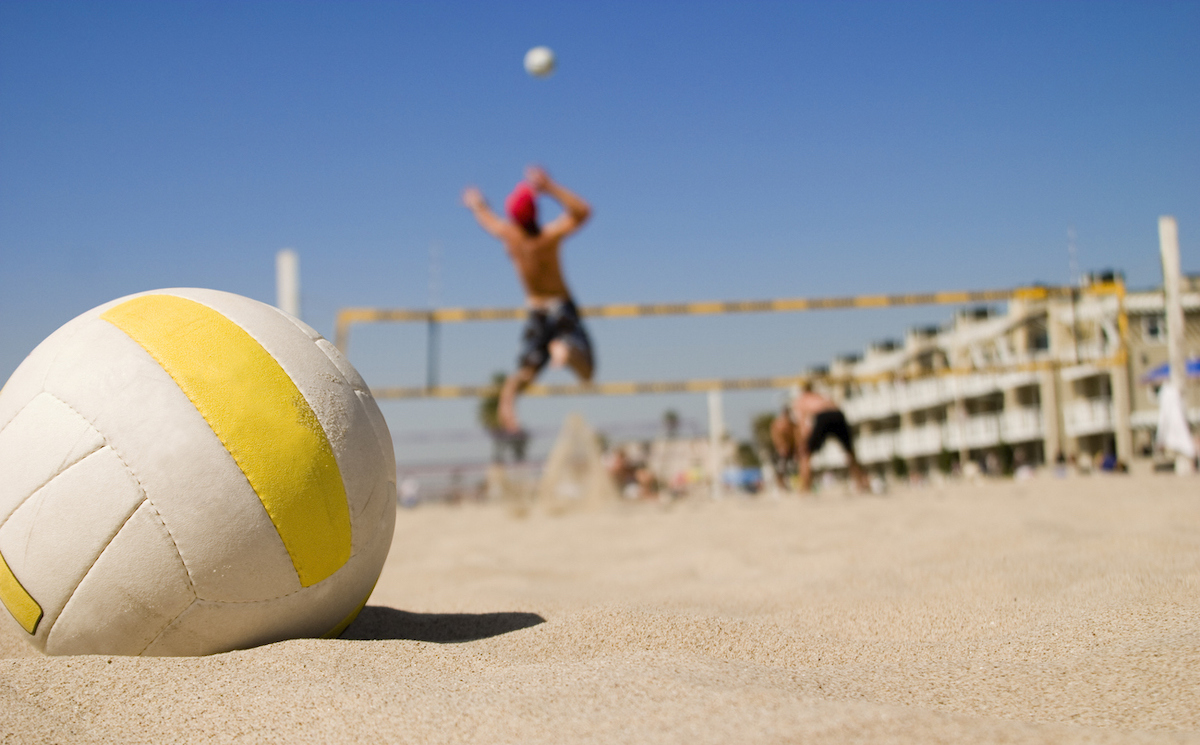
(671, 423)
(489, 417)
(760, 428)
(489, 405)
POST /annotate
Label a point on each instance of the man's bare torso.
(806, 407)
(536, 259)
(783, 435)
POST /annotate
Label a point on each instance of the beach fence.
(348, 318)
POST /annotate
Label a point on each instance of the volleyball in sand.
(189, 471)
(539, 62)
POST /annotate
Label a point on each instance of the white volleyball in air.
(186, 472)
(539, 62)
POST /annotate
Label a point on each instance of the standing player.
(783, 441)
(553, 331)
(817, 417)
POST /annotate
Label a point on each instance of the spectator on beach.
(1060, 466)
(647, 482)
(620, 470)
(410, 492)
(1108, 462)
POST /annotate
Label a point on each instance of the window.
(1154, 329)
(1038, 336)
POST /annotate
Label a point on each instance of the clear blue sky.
(731, 150)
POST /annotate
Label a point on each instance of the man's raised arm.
(488, 220)
(575, 210)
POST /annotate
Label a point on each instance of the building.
(1148, 353)
(1058, 372)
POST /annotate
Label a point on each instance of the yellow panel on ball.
(19, 602)
(260, 417)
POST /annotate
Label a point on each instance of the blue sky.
(731, 150)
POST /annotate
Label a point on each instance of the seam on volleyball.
(142, 488)
(96, 558)
(277, 597)
(81, 459)
(46, 368)
(48, 481)
(168, 624)
(146, 497)
(18, 411)
(257, 600)
(353, 556)
(171, 535)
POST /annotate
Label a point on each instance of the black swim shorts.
(828, 423)
(560, 321)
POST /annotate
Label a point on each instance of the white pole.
(287, 282)
(1168, 241)
(716, 442)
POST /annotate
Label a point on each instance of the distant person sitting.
(1108, 462)
(553, 331)
(818, 417)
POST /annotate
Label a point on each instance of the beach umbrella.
(1163, 371)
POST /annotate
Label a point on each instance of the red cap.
(521, 206)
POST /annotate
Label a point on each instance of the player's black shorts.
(830, 423)
(560, 321)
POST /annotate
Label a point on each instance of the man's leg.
(804, 460)
(842, 432)
(780, 466)
(514, 384)
(803, 457)
(535, 340)
(563, 353)
(571, 345)
(857, 473)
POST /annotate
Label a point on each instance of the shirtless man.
(783, 438)
(553, 331)
(817, 417)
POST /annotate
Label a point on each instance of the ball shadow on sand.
(379, 622)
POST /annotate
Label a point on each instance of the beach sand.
(1039, 611)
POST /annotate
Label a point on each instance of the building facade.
(1056, 374)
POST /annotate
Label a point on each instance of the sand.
(1041, 611)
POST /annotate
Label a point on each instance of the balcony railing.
(876, 448)
(979, 431)
(920, 441)
(923, 394)
(1021, 425)
(887, 401)
(1087, 417)
(972, 386)
(879, 404)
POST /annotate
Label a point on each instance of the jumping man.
(817, 417)
(553, 331)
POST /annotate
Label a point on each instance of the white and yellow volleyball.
(187, 471)
(539, 62)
